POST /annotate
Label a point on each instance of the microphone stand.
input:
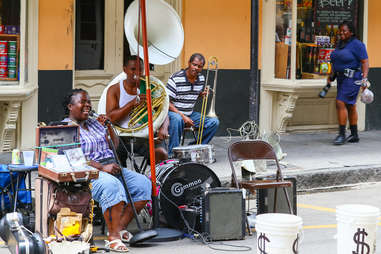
(142, 235)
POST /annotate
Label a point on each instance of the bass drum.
(182, 184)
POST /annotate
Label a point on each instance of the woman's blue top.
(349, 56)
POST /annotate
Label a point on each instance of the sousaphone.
(165, 41)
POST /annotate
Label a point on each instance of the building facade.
(65, 44)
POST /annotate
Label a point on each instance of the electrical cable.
(205, 238)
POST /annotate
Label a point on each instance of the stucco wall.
(218, 28)
(374, 35)
(55, 36)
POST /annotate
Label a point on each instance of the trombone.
(212, 66)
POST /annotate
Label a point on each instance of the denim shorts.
(108, 190)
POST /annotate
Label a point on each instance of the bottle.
(332, 37)
(316, 61)
(318, 29)
(324, 91)
(313, 59)
(307, 33)
(313, 31)
(337, 35)
(310, 60)
(299, 52)
(287, 39)
(327, 30)
(302, 35)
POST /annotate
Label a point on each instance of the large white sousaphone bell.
(165, 32)
(165, 42)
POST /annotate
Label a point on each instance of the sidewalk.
(311, 158)
(315, 162)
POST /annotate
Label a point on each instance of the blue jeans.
(176, 126)
(108, 190)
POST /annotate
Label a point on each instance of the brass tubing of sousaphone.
(155, 103)
(140, 108)
(137, 109)
(141, 113)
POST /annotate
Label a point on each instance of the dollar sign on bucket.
(262, 239)
(359, 238)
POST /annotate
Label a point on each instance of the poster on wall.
(334, 12)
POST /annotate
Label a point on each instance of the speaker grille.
(224, 216)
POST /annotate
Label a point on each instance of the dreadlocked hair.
(68, 99)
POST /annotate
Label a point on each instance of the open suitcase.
(61, 137)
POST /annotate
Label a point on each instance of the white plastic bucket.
(356, 228)
(278, 233)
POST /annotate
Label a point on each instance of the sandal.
(124, 239)
(117, 246)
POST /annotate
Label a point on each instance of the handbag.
(78, 199)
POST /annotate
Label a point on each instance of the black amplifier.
(265, 199)
(223, 214)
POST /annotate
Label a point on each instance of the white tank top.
(125, 98)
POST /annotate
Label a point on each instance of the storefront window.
(317, 25)
(317, 34)
(9, 40)
(283, 39)
(89, 40)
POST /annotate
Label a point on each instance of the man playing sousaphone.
(121, 99)
(184, 88)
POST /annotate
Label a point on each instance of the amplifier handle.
(81, 179)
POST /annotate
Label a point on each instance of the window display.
(9, 39)
(317, 25)
(283, 39)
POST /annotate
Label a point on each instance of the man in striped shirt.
(184, 87)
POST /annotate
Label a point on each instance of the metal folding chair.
(257, 150)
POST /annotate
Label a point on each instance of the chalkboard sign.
(334, 12)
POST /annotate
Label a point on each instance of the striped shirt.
(182, 93)
(93, 141)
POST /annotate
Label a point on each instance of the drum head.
(184, 185)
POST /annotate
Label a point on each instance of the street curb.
(329, 178)
(335, 177)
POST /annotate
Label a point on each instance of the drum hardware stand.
(163, 234)
(142, 235)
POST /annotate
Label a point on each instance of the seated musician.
(108, 189)
(122, 98)
(184, 88)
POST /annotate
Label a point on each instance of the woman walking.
(350, 68)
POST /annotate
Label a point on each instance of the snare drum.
(196, 153)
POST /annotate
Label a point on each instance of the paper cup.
(28, 158)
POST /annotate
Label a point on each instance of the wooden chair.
(257, 150)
